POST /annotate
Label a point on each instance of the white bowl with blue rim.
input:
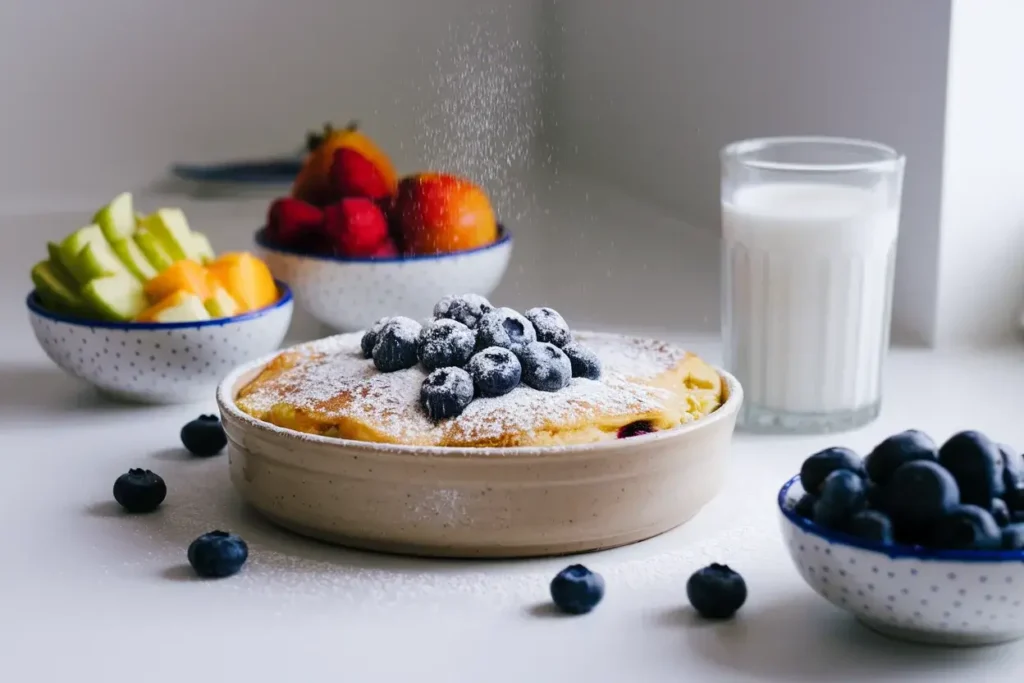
(161, 363)
(943, 597)
(350, 294)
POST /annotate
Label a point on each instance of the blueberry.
(545, 367)
(204, 436)
(1013, 475)
(716, 591)
(966, 527)
(635, 428)
(446, 392)
(871, 525)
(445, 343)
(505, 328)
(217, 554)
(140, 490)
(550, 326)
(1012, 537)
(823, 463)
(976, 464)
(584, 362)
(1017, 517)
(369, 339)
(495, 371)
(875, 495)
(467, 308)
(842, 496)
(919, 492)
(396, 344)
(805, 506)
(576, 589)
(896, 450)
(1000, 512)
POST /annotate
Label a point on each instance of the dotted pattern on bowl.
(160, 366)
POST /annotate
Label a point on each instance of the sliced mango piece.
(247, 279)
(178, 307)
(220, 304)
(185, 275)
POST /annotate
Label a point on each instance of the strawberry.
(291, 222)
(385, 249)
(355, 226)
(353, 175)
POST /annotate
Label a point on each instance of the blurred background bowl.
(350, 294)
(943, 597)
(162, 363)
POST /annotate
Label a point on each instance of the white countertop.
(91, 594)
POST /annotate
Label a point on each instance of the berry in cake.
(139, 490)
(495, 371)
(896, 450)
(445, 343)
(577, 590)
(396, 345)
(204, 436)
(505, 328)
(217, 554)
(584, 362)
(716, 591)
(966, 527)
(638, 428)
(369, 339)
(545, 367)
(871, 525)
(446, 392)
(977, 465)
(842, 496)
(823, 463)
(466, 308)
(549, 325)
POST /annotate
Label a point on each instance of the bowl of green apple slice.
(141, 308)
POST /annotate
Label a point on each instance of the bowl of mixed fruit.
(356, 242)
(142, 308)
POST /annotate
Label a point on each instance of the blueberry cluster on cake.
(472, 349)
(480, 375)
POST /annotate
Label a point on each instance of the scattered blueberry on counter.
(716, 591)
(217, 554)
(446, 392)
(577, 590)
(140, 490)
(495, 371)
(967, 494)
(204, 436)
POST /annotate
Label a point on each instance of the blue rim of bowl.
(504, 237)
(892, 551)
(35, 305)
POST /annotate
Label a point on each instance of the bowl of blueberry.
(918, 541)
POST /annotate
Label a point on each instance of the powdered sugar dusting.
(332, 380)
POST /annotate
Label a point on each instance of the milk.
(807, 290)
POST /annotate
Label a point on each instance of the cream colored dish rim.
(227, 390)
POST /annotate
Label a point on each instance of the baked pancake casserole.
(329, 388)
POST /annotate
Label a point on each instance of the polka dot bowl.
(350, 294)
(941, 597)
(162, 363)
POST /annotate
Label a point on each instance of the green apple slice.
(115, 297)
(202, 249)
(56, 290)
(100, 260)
(153, 249)
(54, 250)
(131, 255)
(189, 309)
(117, 219)
(171, 228)
(221, 304)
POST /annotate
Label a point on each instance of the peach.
(438, 213)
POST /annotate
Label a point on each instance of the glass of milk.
(809, 229)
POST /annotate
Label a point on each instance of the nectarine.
(439, 213)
